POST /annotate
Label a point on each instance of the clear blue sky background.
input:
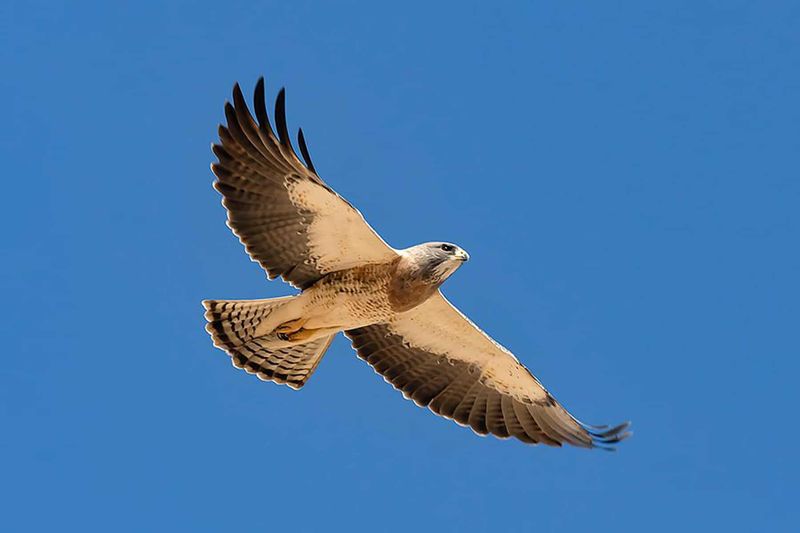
(624, 175)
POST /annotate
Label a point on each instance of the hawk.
(388, 302)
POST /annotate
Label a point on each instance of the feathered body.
(386, 301)
(360, 296)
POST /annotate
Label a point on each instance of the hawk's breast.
(355, 297)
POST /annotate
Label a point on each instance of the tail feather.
(233, 326)
(290, 365)
(232, 323)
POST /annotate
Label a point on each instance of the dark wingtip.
(260, 105)
(301, 140)
(238, 97)
(280, 119)
(613, 431)
(604, 439)
(230, 114)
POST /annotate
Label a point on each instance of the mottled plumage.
(386, 301)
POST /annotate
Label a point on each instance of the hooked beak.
(462, 256)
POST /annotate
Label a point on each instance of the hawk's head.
(436, 261)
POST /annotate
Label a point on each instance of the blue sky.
(624, 175)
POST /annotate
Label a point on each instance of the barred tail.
(234, 328)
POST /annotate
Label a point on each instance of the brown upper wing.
(439, 359)
(288, 219)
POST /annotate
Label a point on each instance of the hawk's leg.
(285, 330)
(303, 335)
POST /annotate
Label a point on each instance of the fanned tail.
(234, 328)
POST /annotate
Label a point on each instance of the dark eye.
(447, 248)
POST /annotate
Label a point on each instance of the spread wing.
(439, 359)
(288, 219)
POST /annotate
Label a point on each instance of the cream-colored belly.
(348, 299)
(345, 307)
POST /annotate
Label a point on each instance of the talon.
(299, 335)
(291, 327)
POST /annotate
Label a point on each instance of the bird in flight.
(388, 302)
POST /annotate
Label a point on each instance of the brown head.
(434, 262)
(421, 270)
